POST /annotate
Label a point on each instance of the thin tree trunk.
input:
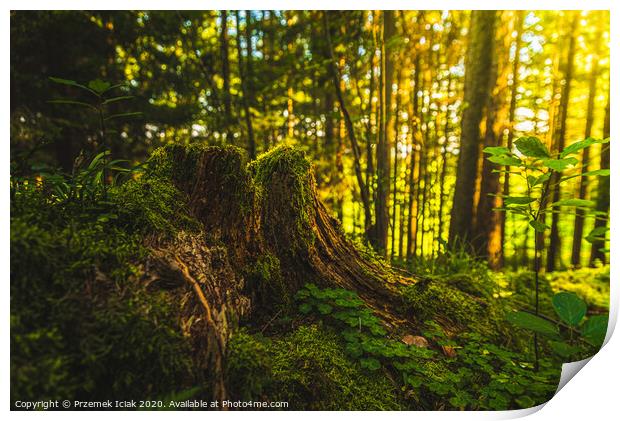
(583, 183)
(225, 65)
(395, 173)
(414, 127)
(349, 125)
(244, 82)
(602, 200)
(382, 210)
(554, 252)
(444, 163)
(511, 121)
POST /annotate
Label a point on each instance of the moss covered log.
(192, 270)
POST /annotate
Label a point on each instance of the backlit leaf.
(532, 147)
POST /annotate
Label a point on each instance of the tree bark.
(244, 74)
(583, 186)
(602, 200)
(553, 253)
(350, 128)
(382, 211)
(225, 65)
(477, 74)
(511, 121)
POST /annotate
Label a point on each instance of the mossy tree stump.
(274, 235)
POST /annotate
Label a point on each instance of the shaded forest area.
(338, 210)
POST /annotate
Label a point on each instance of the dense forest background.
(333, 209)
(382, 103)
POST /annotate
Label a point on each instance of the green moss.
(248, 366)
(152, 205)
(284, 184)
(264, 277)
(437, 300)
(310, 371)
(481, 287)
(82, 325)
(307, 369)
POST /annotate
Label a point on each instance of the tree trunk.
(477, 74)
(511, 122)
(395, 173)
(554, 252)
(602, 200)
(583, 186)
(245, 94)
(382, 211)
(350, 128)
(415, 127)
(225, 65)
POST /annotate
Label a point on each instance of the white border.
(591, 394)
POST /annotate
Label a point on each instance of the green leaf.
(595, 328)
(601, 173)
(324, 308)
(354, 349)
(525, 401)
(569, 307)
(72, 102)
(305, 308)
(532, 147)
(113, 116)
(496, 150)
(560, 164)
(117, 98)
(505, 160)
(370, 363)
(577, 146)
(69, 83)
(574, 202)
(597, 233)
(98, 85)
(518, 200)
(532, 322)
(539, 226)
(563, 349)
(541, 179)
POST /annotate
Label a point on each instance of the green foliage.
(482, 376)
(532, 147)
(591, 284)
(595, 329)
(462, 310)
(248, 366)
(307, 369)
(82, 325)
(570, 308)
(311, 372)
(538, 172)
(532, 322)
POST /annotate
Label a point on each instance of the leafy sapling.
(542, 172)
(100, 98)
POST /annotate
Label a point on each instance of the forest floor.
(208, 277)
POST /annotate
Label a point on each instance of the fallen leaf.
(448, 351)
(418, 341)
